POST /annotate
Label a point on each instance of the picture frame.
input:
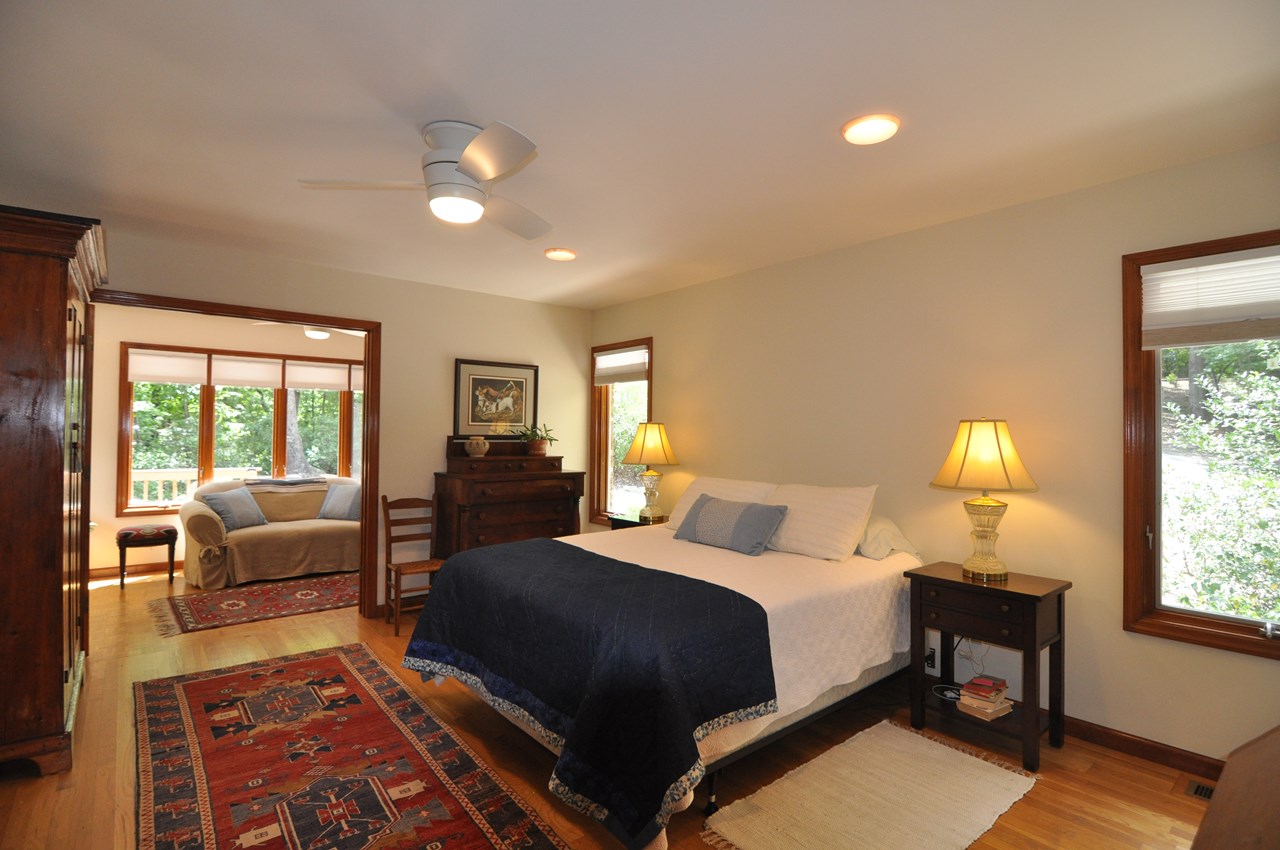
(494, 400)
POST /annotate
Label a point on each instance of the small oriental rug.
(886, 788)
(324, 750)
(249, 603)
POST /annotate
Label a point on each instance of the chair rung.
(405, 538)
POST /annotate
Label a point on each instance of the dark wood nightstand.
(1026, 613)
(617, 521)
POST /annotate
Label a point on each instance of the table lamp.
(650, 447)
(983, 458)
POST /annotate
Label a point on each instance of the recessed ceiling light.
(870, 129)
(560, 255)
(315, 333)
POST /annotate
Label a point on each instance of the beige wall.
(424, 328)
(852, 368)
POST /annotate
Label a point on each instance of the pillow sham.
(741, 526)
(341, 502)
(719, 488)
(236, 508)
(821, 522)
(882, 538)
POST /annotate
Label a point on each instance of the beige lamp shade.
(983, 458)
(651, 446)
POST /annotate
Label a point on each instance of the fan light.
(871, 129)
(456, 210)
(315, 333)
(560, 255)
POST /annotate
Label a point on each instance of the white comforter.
(828, 622)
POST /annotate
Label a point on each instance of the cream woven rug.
(886, 788)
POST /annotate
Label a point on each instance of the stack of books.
(983, 697)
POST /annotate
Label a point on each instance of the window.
(1202, 442)
(621, 377)
(189, 417)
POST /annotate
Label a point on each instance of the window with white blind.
(189, 417)
(1202, 443)
(621, 377)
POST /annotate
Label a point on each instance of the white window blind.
(247, 372)
(1208, 300)
(166, 367)
(357, 379)
(622, 365)
(300, 375)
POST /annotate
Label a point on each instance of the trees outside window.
(1202, 443)
(183, 426)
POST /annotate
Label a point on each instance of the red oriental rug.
(324, 750)
(249, 603)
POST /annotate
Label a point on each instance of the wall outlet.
(931, 658)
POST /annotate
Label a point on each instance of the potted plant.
(536, 440)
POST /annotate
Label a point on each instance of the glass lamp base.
(650, 479)
(985, 514)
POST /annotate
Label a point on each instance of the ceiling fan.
(459, 168)
(316, 332)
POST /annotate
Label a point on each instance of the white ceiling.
(679, 140)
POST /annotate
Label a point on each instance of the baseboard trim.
(1178, 759)
(99, 573)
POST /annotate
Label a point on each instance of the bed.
(674, 652)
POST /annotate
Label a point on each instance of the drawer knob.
(480, 539)
(567, 487)
(486, 491)
(933, 615)
(1004, 633)
(933, 593)
(506, 466)
(524, 466)
(1004, 609)
(482, 515)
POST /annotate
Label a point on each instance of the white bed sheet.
(828, 621)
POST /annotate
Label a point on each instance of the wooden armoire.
(49, 266)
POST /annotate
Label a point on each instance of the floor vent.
(1199, 789)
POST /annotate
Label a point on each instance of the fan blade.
(498, 149)
(515, 218)
(359, 184)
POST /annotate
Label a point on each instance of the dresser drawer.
(488, 535)
(512, 489)
(976, 602)
(545, 510)
(500, 465)
(971, 625)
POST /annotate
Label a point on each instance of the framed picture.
(493, 399)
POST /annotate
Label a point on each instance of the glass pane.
(357, 432)
(628, 407)
(242, 432)
(1220, 466)
(165, 442)
(311, 432)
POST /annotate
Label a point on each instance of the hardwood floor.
(1087, 796)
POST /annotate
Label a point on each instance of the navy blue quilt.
(621, 667)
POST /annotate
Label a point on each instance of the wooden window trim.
(598, 460)
(1143, 613)
(205, 457)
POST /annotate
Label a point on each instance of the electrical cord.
(951, 693)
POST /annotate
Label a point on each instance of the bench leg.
(122, 551)
(173, 545)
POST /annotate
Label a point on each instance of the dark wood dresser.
(503, 496)
(49, 266)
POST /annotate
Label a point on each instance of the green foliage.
(1222, 512)
(166, 426)
(536, 433)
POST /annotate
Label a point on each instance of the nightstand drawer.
(981, 602)
(971, 624)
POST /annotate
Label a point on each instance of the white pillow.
(882, 538)
(821, 522)
(729, 489)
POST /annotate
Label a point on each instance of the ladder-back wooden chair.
(406, 521)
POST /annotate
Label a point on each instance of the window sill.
(1205, 631)
(147, 510)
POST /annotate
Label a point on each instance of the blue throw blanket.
(620, 667)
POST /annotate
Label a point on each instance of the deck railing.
(172, 486)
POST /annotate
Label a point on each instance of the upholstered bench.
(141, 536)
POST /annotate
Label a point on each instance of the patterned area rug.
(324, 750)
(248, 603)
(886, 788)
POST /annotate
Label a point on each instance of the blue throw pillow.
(741, 526)
(341, 502)
(236, 507)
